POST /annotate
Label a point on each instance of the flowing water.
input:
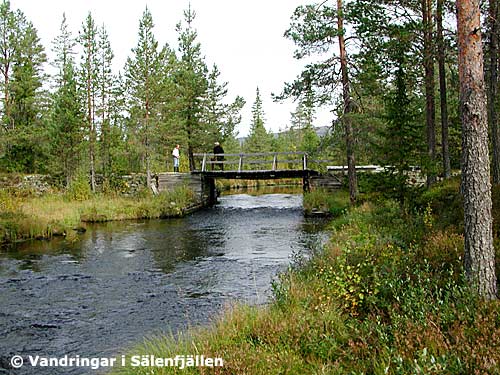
(124, 281)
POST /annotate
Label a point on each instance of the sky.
(244, 38)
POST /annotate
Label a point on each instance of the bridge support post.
(203, 187)
(209, 190)
(306, 183)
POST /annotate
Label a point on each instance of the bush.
(9, 202)
(445, 201)
(79, 188)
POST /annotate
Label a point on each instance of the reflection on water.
(123, 281)
(261, 190)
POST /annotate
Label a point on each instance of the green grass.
(387, 295)
(23, 217)
(333, 203)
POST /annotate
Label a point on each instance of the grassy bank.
(323, 202)
(386, 296)
(26, 216)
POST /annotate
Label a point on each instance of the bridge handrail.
(253, 154)
(208, 159)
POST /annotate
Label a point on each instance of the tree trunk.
(148, 164)
(430, 111)
(146, 141)
(493, 88)
(190, 150)
(479, 255)
(346, 119)
(91, 141)
(148, 170)
(7, 109)
(105, 131)
(442, 90)
(90, 117)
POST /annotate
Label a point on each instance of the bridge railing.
(271, 161)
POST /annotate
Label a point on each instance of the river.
(123, 281)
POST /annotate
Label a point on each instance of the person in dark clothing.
(219, 158)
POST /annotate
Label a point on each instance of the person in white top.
(176, 155)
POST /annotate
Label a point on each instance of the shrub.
(445, 201)
(79, 188)
(9, 202)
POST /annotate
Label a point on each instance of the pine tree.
(492, 85)
(302, 125)
(27, 76)
(401, 140)
(105, 81)
(88, 75)
(117, 162)
(8, 46)
(144, 75)
(22, 66)
(314, 31)
(63, 47)
(443, 92)
(259, 140)
(479, 255)
(192, 83)
(219, 118)
(67, 117)
(430, 111)
(67, 122)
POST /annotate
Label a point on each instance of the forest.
(87, 119)
(401, 70)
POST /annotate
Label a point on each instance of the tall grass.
(387, 295)
(327, 202)
(60, 214)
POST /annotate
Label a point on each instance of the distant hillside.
(321, 131)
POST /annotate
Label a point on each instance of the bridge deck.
(259, 174)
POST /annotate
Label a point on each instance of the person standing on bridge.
(219, 159)
(176, 155)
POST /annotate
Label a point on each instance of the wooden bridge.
(265, 166)
(255, 166)
(249, 166)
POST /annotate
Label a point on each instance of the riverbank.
(62, 214)
(322, 202)
(385, 296)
